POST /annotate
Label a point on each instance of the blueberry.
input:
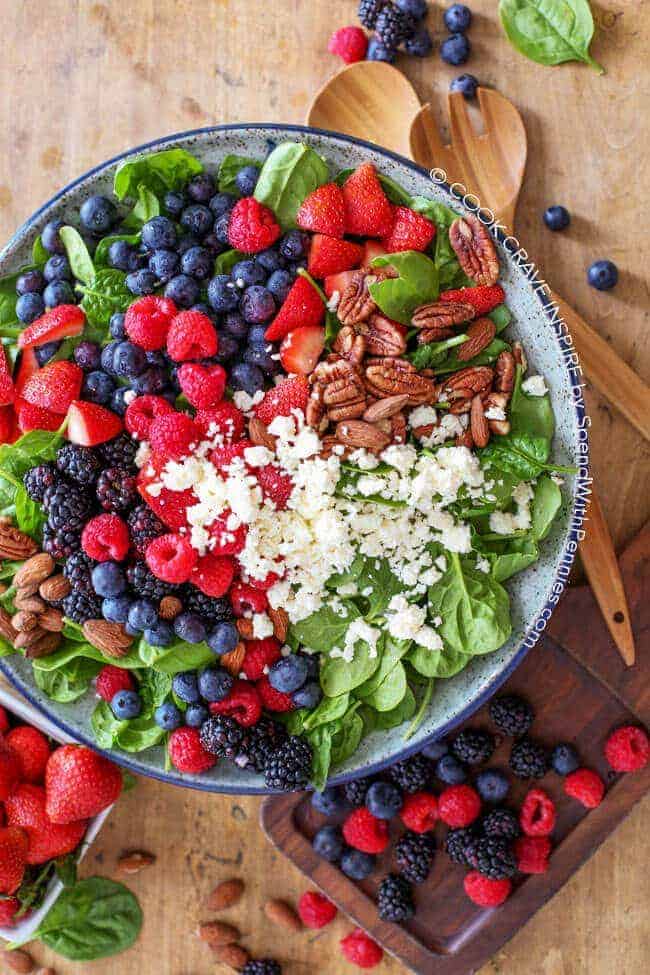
(186, 242)
(116, 325)
(380, 52)
(222, 293)
(97, 214)
(288, 673)
(58, 293)
(228, 347)
(384, 800)
(97, 387)
(436, 749)
(128, 359)
(417, 9)
(557, 217)
(115, 609)
(455, 50)
(142, 282)
(224, 638)
(313, 665)
(308, 696)
(235, 325)
(45, 352)
(119, 400)
(29, 307)
(174, 203)
(492, 785)
(108, 579)
(222, 203)
(257, 304)
(330, 801)
(457, 18)
(126, 705)
(158, 232)
(270, 259)
(564, 759)
(328, 843)
(466, 84)
(57, 269)
(294, 245)
(246, 180)
(50, 237)
(164, 264)
(143, 614)
(450, 771)
(189, 627)
(195, 715)
(183, 290)
(215, 684)
(602, 275)
(279, 284)
(258, 356)
(201, 188)
(213, 244)
(221, 228)
(197, 261)
(122, 256)
(168, 716)
(160, 634)
(30, 281)
(151, 382)
(197, 219)
(247, 272)
(185, 686)
(247, 377)
(357, 865)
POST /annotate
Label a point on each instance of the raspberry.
(252, 227)
(245, 598)
(585, 786)
(271, 699)
(191, 336)
(315, 910)
(187, 753)
(170, 506)
(147, 321)
(276, 485)
(33, 750)
(171, 558)
(223, 455)
(105, 537)
(226, 540)
(213, 574)
(260, 654)
(360, 950)
(225, 419)
(350, 43)
(627, 749)
(203, 386)
(243, 704)
(9, 907)
(112, 679)
(532, 853)
(485, 892)
(264, 584)
(459, 805)
(420, 812)
(292, 394)
(365, 832)
(173, 435)
(537, 815)
(141, 413)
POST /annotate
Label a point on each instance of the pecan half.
(504, 373)
(478, 424)
(357, 433)
(330, 445)
(397, 377)
(350, 345)
(520, 355)
(438, 317)
(14, 544)
(398, 429)
(7, 631)
(384, 337)
(356, 303)
(465, 439)
(315, 410)
(381, 409)
(479, 335)
(111, 638)
(474, 249)
(459, 399)
(345, 398)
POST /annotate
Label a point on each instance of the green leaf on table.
(416, 284)
(79, 259)
(289, 174)
(474, 608)
(550, 31)
(169, 169)
(228, 169)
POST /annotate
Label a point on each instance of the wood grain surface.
(80, 81)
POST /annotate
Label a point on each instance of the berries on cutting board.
(349, 43)
(627, 749)
(455, 49)
(602, 275)
(557, 217)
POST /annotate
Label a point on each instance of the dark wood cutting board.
(580, 689)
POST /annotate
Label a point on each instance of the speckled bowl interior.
(534, 592)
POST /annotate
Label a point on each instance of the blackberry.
(81, 606)
(473, 746)
(261, 742)
(145, 583)
(77, 571)
(460, 846)
(501, 822)
(411, 774)
(290, 766)
(80, 464)
(368, 12)
(529, 759)
(214, 609)
(414, 856)
(39, 479)
(143, 526)
(356, 791)
(222, 736)
(116, 489)
(119, 452)
(511, 714)
(67, 506)
(393, 26)
(59, 542)
(395, 899)
(495, 858)
(262, 966)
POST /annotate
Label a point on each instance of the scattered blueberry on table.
(602, 275)
(557, 217)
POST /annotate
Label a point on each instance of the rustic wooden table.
(82, 81)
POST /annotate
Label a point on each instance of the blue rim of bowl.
(532, 634)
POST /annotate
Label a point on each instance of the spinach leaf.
(70, 681)
(16, 459)
(230, 166)
(550, 31)
(390, 692)
(346, 741)
(329, 709)
(434, 353)
(418, 717)
(40, 256)
(383, 720)
(452, 662)
(324, 629)
(547, 501)
(474, 607)
(515, 556)
(8, 298)
(393, 651)
(338, 676)
(105, 725)
(146, 207)
(377, 577)
(169, 169)
(423, 660)
(106, 294)
(321, 742)
(138, 734)
(79, 259)
(101, 251)
(450, 273)
(226, 261)
(417, 283)
(289, 174)
(176, 657)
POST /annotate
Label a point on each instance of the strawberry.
(61, 322)
(7, 391)
(8, 425)
(4, 720)
(89, 424)
(371, 250)
(10, 770)
(337, 282)
(9, 907)
(13, 857)
(27, 366)
(328, 255)
(223, 455)
(202, 385)
(224, 418)
(410, 231)
(292, 394)
(483, 298)
(323, 211)
(33, 750)
(26, 808)
(31, 417)
(276, 485)
(368, 212)
(301, 349)
(302, 306)
(170, 506)
(54, 386)
(79, 784)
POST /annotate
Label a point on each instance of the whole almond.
(245, 628)
(7, 631)
(134, 862)
(19, 961)
(234, 956)
(28, 638)
(55, 588)
(34, 571)
(478, 424)
(385, 408)
(225, 894)
(45, 645)
(30, 602)
(280, 622)
(357, 433)
(51, 620)
(280, 913)
(259, 434)
(23, 621)
(111, 638)
(169, 607)
(14, 544)
(232, 662)
(217, 933)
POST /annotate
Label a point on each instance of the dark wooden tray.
(580, 689)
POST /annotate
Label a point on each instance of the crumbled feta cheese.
(534, 386)
(262, 626)
(506, 522)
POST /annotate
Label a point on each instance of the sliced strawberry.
(368, 212)
(328, 255)
(7, 391)
(371, 250)
(61, 322)
(170, 506)
(32, 417)
(8, 428)
(410, 231)
(54, 386)
(323, 211)
(223, 455)
(27, 366)
(483, 298)
(302, 306)
(89, 424)
(281, 400)
(301, 349)
(337, 282)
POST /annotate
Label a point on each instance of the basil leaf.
(146, 207)
(79, 259)
(230, 166)
(550, 31)
(169, 169)
(289, 174)
(105, 295)
(474, 607)
(417, 283)
(101, 251)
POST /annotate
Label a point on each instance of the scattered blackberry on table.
(564, 759)
(495, 858)
(529, 759)
(511, 714)
(414, 856)
(80, 606)
(356, 791)
(147, 585)
(38, 479)
(393, 26)
(501, 822)
(222, 736)
(80, 464)
(492, 785)
(411, 774)
(369, 10)
(262, 966)
(395, 899)
(67, 506)
(290, 766)
(143, 526)
(119, 452)
(460, 845)
(60, 543)
(260, 744)
(116, 489)
(473, 746)
(214, 609)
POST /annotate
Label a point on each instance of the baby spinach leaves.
(417, 283)
(169, 169)
(230, 166)
(36, 447)
(289, 174)
(325, 629)
(475, 609)
(79, 259)
(550, 31)
(106, 294)
(70, 681)
(146, 207)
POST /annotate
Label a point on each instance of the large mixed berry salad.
(268, 458)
